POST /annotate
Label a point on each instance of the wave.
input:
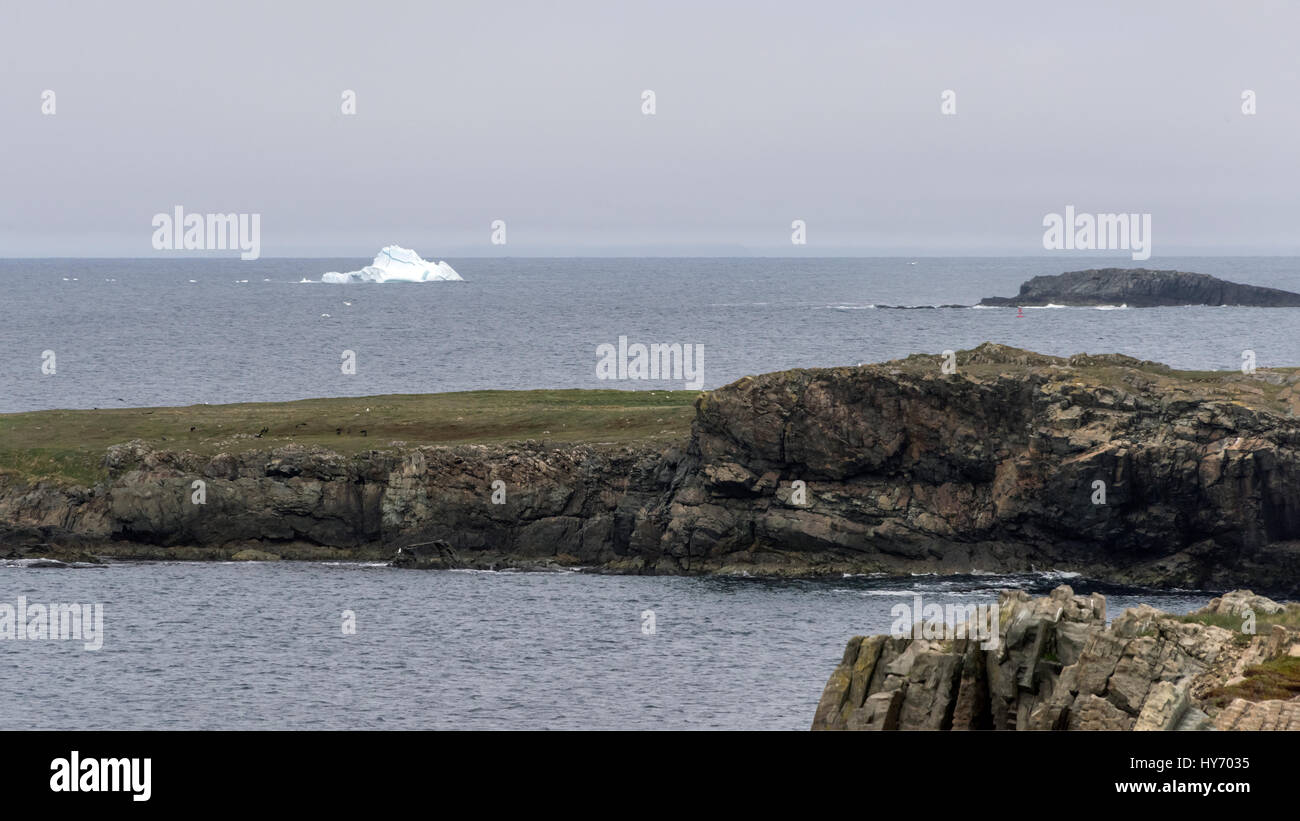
(42, 563)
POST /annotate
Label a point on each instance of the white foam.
(908, 593)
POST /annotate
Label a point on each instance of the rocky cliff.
(1059, 666)
(1142, 288)
(1120, 469)
(571, 505)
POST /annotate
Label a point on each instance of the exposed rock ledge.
(904, 469)
(1142, 288)
(1058, 666)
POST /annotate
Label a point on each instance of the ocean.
(171, 332)
(261, 645)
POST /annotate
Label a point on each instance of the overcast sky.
(765, 113)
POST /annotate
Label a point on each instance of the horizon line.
(1085, 255)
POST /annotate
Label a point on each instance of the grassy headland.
(69, 445)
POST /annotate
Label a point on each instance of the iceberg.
(397, 264)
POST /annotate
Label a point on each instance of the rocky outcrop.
(577, 504)
(1120, 469)
(1267, 715)
(1057, 666)
(1116, 468)
(1239, 602)
(1141, 288)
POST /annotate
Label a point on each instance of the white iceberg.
(397, 264)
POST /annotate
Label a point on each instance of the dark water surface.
(260, 645)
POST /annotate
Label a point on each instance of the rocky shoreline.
(1122, 470)
(1057, 665)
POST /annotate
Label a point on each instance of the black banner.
(134, 772)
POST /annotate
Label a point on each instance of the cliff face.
(1120, 469)
(1142, 288)
(1102, 464)
(1058, 666)
(576, 504)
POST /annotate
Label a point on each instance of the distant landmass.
(1142, 288)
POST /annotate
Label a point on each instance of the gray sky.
(531, 113)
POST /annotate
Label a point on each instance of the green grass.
(1276, 679)
(69, 445)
